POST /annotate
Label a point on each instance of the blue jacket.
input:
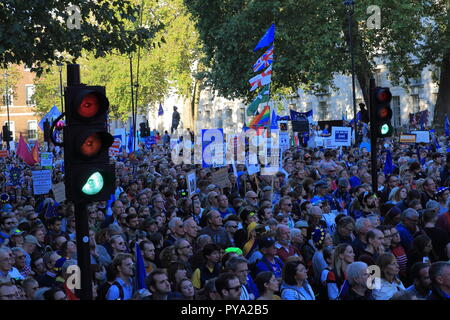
(405, 236)
(289, 292)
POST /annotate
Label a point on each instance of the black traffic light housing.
(144, 129)
(89, 175)
(382, 112)
(6, 133)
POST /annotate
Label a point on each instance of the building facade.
(21, 105)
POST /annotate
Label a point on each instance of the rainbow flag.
(261, 119)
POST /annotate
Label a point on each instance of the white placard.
(319, 141)
(192, 183)
(42, 181)
(341, 136)
(284, 140)
(422, 136)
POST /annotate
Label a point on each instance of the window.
(9, 97)
(32, 129)
(378, 77)
(396, 111)
(219, 120)
(415, 103)
(229, 115)
(242, 114)
(29, 92)
(323, 110)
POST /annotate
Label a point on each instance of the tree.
(164, 64)
(311, 42)
(36, 33)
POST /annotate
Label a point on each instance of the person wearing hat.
(269, 261)
(16, 238)
(321, 239)
(247, 215)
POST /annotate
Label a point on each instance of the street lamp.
(5, 75)
(60, 65)
(350, 6)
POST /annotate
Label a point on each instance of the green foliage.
(163, 65)
(311, 41)
(35, 32)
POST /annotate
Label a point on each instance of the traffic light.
(145, 129)
(382, 111)
(6, 133)
(46, 130)
(88, 173)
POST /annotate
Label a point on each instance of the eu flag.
(140, 269)
(267, 39)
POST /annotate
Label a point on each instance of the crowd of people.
(314, 231)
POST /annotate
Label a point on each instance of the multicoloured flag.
(267, 38)
(264, 61)
(261, 79)
(261, 119)
(262, 97)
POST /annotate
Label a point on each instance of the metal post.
(61, 86)
(81, 217)
(7, 105)
(83, 251)
(350, 5)
(373, 137)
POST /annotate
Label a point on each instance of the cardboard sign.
(42, 181)
(191, 182)
(59, 190)
(407, 138)
(342, 136)
(220, 178)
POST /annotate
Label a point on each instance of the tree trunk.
(442, 107)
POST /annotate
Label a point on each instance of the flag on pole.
(35, 152)
(261, 79)
(160, 110)
(23, 152)
(388, 166)
(262, 97)
(296, 116)
(131, 140)
(264, 61)
(447, 125)
(140, 269)
(52, 114)
(261, 119)
(267, 38)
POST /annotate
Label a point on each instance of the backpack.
(104, 288)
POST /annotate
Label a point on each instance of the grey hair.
(234, 262)
(410, 213)
(360, 223)
(295, 232)
(354, 271)
(173, 221)
(436, 270)
(203, 238)
(178, 243)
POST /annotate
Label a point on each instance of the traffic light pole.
(83, 250)
(373, 137)
(81, 217)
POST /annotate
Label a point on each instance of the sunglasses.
(234, 288)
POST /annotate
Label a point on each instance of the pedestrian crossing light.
(383, 113)
(89, 175)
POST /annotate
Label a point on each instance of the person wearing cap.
(269, 261)
(16, 238)
(408, 227)
(247, 215)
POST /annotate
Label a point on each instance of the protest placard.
(192, 182)
(422, 136)
(59, 190)
(220, 178)
(342, 136)
(46, 160)
(42, 181)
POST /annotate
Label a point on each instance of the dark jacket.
(437, 294)
(352, 295)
